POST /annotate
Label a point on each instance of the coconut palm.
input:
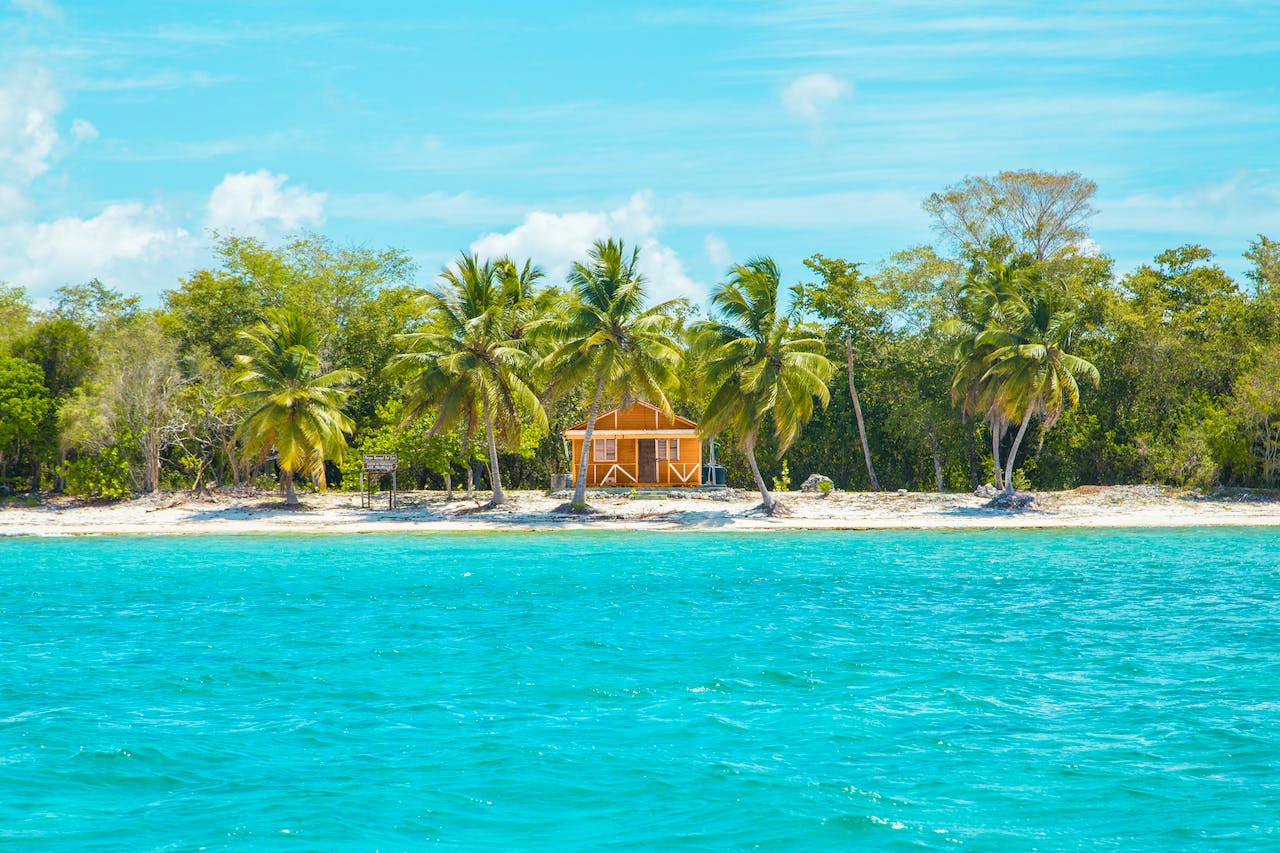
(993, 281)
(472, 364)
(1028, 366)
(609, 339)
(293, 408)
(759, 365)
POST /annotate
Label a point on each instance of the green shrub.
(782, 482)
(104, 474)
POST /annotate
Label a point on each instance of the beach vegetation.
(293, 410)
(1012, 351)
(472, 365)
(761, 365)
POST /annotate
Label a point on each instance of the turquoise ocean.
(1047, 690)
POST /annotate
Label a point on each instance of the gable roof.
(660, 421)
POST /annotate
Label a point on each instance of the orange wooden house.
(637, 445)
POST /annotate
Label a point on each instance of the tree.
(757, 365)
(15, 313)
(1039, 212)
(293, 409)
(846, 298)
(1028, 371)
(131, 397)
(473, 360)
(993, 280)
(608, 339)
(1265, 272)
(25, 414)
(93, 304)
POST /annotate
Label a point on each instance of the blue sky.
(701, 132)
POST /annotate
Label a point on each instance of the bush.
(104, 474)
(782, 482)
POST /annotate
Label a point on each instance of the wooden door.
(647, 461)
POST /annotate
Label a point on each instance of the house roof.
(661, 423)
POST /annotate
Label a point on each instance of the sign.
(380, 463)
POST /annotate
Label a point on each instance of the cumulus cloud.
(556, 240)
(129, 245)
(810, 97)
(29, 106)
(259, 204)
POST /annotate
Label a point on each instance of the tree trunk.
(448, 486)
(857, 411)
(767, 503)
(286, 480)
(495, 476)
(466, 462)
(1013, 454)
(937, 461)
(580, 487)
(35, 477)
(997, 433)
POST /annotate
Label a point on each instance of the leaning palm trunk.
(495, 476)
(997, 433)
(857, 410)
(767, 503)
(1013, 454)
(580, 487)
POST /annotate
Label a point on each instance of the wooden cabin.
(637, 445)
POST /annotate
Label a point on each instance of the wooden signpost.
(377, 465)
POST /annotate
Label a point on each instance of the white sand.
(337, 512)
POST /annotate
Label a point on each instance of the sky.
(703, 133)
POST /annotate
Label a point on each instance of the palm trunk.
(997, 433)
(466, 462)
(857, 411)
(495, 476)
(448, 486)
(1013, 454)
(767, 503)
(580, 487)
(286, 480)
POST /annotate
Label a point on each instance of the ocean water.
(555, 691)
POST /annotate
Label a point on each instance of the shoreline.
(1089, 507)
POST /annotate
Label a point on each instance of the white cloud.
(258, 204)
(83, 131)
(555, 241)
(1238, 207)
(128, 245)
(29, 105)
(811, 96)
(39, 8)
(717, 251)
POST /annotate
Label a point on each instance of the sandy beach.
(340, 512)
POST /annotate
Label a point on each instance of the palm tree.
(607, 337)
(993, 281)
(1027, 360)
(757, 366)
(472, 364)
(293, 408)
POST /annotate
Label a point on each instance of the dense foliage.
(1011, 352)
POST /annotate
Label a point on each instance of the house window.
(605, 449)
(668, 448)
